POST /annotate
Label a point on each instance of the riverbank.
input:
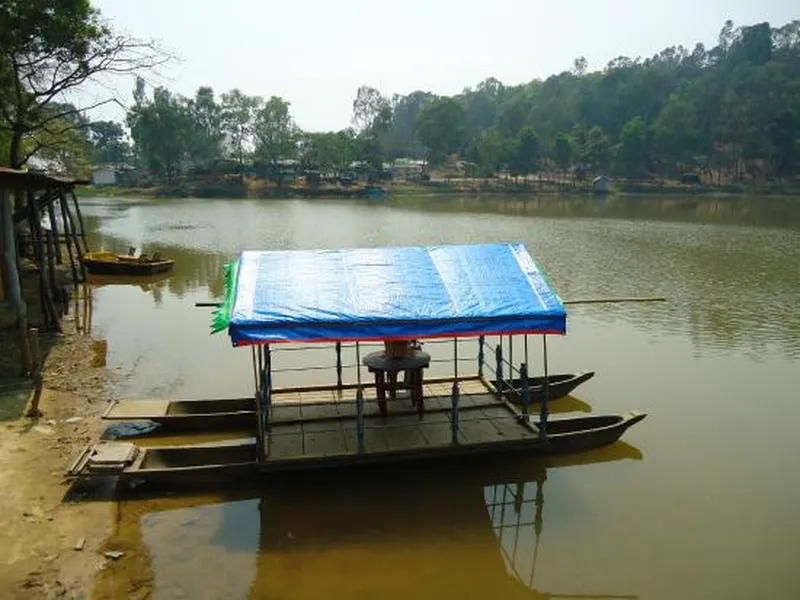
(256, 188)
(50, 544)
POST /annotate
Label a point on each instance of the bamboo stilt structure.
(50, 315)
(80, 219)
(8, 257)
(51, 211)
(71, 220)
(68, 240)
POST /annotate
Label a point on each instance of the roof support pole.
(544, 410)
(454, 397)
(527, 362)
(359, 402)
(339, 365)
(481, 342)
(455, 359)
(511, 356)
(526, 389)
(498, 355)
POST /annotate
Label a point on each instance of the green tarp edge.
(221, 317)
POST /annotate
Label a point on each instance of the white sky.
(316, 53)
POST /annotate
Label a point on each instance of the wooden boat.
(108, 263)
(185, 415)
(209, 463)
(228, 414)
(352, 424)
(559, 386)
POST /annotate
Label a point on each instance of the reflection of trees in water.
(778, 212)
(744, 296)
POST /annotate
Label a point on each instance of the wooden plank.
(316, 396)
(318, 411)
(508, 426)
(479, 432)
(136, 409)
(404, 437)
(438, 434)
(324, 443)
(286, 445)
(290, 412)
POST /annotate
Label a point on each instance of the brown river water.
(700, 500)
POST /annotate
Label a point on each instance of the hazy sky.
(316, 53)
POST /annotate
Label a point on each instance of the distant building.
(104, 176)
(407, 168)
(600, 184)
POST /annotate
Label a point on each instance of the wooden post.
(51, 261)
(80, 219)
(36, 373)
(481, 341)
(13, 288)
(339, 365)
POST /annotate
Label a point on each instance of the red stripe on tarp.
(245, 343)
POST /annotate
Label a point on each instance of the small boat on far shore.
(108, 263)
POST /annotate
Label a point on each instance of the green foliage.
(237, 120)
(275, 133)
(205, 144)
(729, 111)
(525, 152)
(441, 127)
(562, 151)
(48, 49)
(630, 153)
(161, 129)
(107, 140)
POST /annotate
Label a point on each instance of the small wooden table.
(386, 370)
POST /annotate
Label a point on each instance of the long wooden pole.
(613, 300)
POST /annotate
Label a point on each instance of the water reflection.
(726, 266)
(745, 210)
(437, 529)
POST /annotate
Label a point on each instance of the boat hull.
(224, 414)
(211, 463)
(99, 267)
(559, 386)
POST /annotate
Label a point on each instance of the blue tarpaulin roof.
(388, 293)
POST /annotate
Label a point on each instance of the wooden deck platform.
(316, 427)
(319, 426)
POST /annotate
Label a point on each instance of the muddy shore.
(51, 537)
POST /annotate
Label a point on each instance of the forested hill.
(727, 112)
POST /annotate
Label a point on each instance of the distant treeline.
(727, 113)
